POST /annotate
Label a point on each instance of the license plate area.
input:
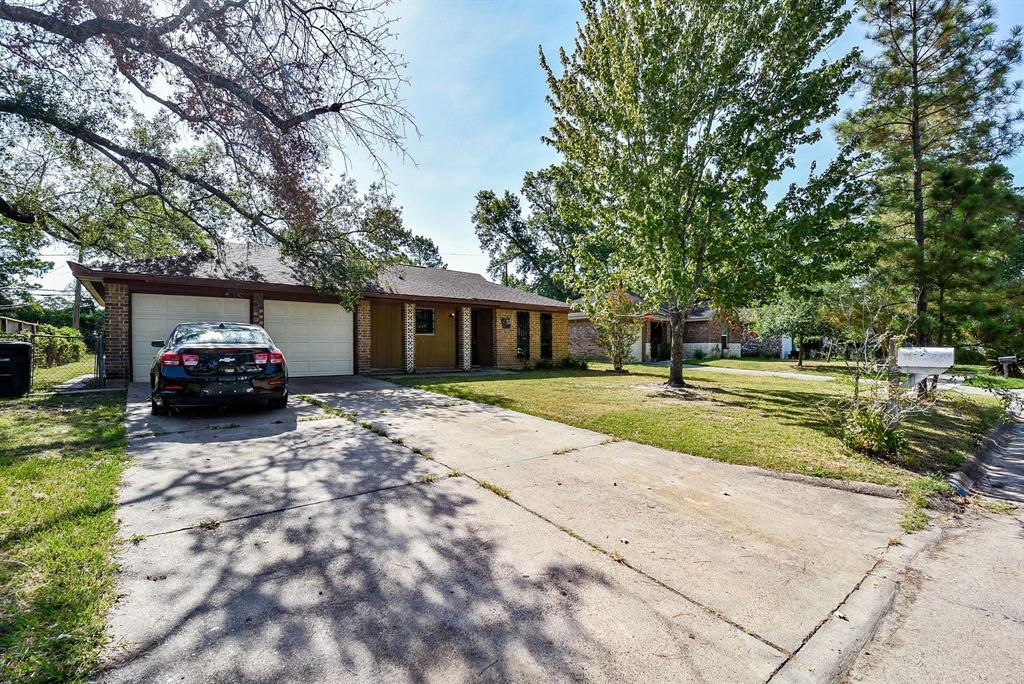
(230, 388)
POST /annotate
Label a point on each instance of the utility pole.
(76, 313)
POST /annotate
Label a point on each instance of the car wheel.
(279, 403)
(156, 409)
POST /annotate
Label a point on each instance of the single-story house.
(704, 331)
(412, 318)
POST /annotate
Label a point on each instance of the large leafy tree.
(245, 103)
(672, 118)
(531, 251)
(19, 264)
(939, 93)
(791, 315)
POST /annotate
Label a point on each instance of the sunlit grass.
(61, 460)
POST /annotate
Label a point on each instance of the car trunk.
(225, 360)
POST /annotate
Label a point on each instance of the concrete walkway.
(958, 613)
(295, 545)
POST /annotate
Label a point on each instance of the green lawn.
(47, 378)
(811, 366)
(61, 459)
(988, 380)
(754, 420)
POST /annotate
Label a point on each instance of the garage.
(316, 338)
(155, 315)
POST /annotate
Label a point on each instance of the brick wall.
(559, 336)
(364, 336)
(256, 309)
(505, 340)
(117, 339)
(583, 341)
(754, 345)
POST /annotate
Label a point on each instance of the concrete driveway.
(295, 545)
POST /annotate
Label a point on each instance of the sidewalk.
(958, 615)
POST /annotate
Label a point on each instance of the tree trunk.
(915, 141)
(942, 317)
(678, 326)
(800, 351)
(893, 373)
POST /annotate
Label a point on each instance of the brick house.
(412, 318)
(704, 331)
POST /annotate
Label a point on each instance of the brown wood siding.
(386, 334)
(483, 332)
(437, 350)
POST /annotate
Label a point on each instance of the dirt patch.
(693, 395)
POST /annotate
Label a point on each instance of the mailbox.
(15, 368)
(922, 362)
(1007, 363)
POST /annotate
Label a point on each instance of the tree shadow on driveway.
(330, 553)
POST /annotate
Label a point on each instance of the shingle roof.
(258, 264)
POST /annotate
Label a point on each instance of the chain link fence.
(63, 363)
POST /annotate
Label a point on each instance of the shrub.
(865, 430)
(970, 356)
(575, 362)
(543, 364)
(698, 354)
(57, 346)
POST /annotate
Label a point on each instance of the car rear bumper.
(176, 391)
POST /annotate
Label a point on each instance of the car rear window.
(221, 336)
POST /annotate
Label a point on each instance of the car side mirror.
(156, 343)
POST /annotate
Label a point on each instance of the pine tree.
(938, 94)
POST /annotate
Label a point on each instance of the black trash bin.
(15, 368)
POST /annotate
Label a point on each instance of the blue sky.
(477, 93)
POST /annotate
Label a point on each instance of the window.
(424, 321)
(545, 336)
(220, 334)
(523, 335)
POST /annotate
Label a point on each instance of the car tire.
(156, 409)
(278, 403)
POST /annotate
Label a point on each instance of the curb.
(830, 651)
(965, 480)
(868, 488)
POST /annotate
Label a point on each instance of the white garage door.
(154, 317)
(316, 338)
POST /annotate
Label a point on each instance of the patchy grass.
(44, 379)
(61, 458)
(915, 518)
(752, 420)
(490, 486)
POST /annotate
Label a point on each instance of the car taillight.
(190, 359)
(277, 358)
(260, 359)
(170, 359)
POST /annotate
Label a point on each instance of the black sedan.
(204, 364)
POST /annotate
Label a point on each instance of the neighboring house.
(704, 331)
(412, 318)
(13, 325)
